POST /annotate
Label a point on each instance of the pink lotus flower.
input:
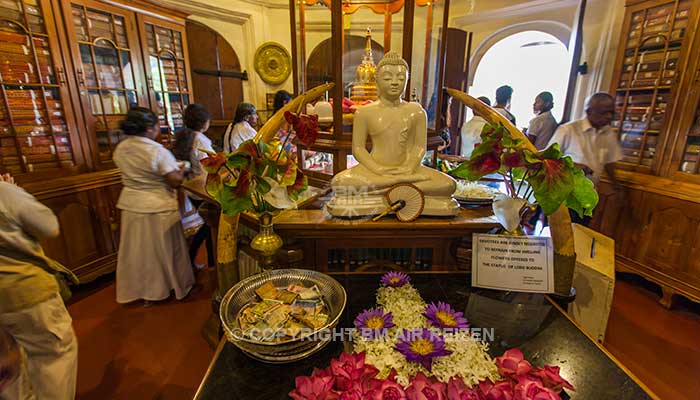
(512, 363)
(352, 395)
(422, 388)
(314, 388)
(531, 388)
(321, 373)
(457, 390)
(350, 368)
(389, 390)
(501, 390)
(550, 378)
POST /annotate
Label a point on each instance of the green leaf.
(531, 157)
(263, 186)
(239, 161)
(552, 184)
(583, 198)
(552, 152)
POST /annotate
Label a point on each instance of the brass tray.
(273, 63)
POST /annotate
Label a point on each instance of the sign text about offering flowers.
(517, 263)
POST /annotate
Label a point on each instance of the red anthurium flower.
(243, 184)
(305, 127)
(551, 378)
(513, 160)
(212, 163)
(512, 362)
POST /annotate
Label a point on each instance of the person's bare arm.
(610, 170)
(174, 179)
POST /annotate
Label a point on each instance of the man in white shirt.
(542, 127)
(242, 127)
(591, 143)
(471, 131)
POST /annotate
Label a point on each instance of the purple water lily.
(442, 315)
(422, 346)
(395, 279)
(373, 323)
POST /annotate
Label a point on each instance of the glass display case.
(34, 134)
(165, 56)
(354, 36)
(647, 78)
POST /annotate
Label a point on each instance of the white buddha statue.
(398, 131)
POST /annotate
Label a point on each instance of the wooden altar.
(314, 239)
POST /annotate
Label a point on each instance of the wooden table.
(557, 340)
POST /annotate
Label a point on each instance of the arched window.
(530, 62)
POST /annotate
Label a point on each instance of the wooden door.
(165, 56)
(105, 50)
(458, 52)
(38, 133)
(217, 80)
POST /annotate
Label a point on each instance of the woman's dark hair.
(281, 98)
(243, 110)
(196, 116)
(138, 120)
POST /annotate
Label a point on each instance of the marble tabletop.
(532, 323)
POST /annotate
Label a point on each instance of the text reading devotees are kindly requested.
(518, 263)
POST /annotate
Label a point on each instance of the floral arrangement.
(407, 349)
(260, 176)
(552, 177)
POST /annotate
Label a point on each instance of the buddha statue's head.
(392, 76)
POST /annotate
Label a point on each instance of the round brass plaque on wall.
(272, 63)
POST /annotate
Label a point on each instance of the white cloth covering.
(588, 146)
(50, 352)
(237, 134)
(153, 257)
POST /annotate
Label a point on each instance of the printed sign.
(516, 263)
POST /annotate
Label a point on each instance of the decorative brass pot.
(266, 242)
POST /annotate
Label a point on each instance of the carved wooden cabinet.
(657, 90)
(69, 72)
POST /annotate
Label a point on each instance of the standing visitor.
(190, 140)
(32, 311)
(471, 131)
(153, 257)
(242, 127)
(542, 127)
(591, 143)
(503, 97)
(188, 146)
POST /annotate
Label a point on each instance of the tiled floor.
(131, 352)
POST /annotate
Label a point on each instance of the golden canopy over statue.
(398, 132)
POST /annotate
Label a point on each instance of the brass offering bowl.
(290, 350)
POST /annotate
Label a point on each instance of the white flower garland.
(469, 359)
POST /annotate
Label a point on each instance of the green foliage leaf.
(262, 185)
(583, 198)
(237, 161)
(552, 184)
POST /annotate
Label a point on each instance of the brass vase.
(266, 243)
